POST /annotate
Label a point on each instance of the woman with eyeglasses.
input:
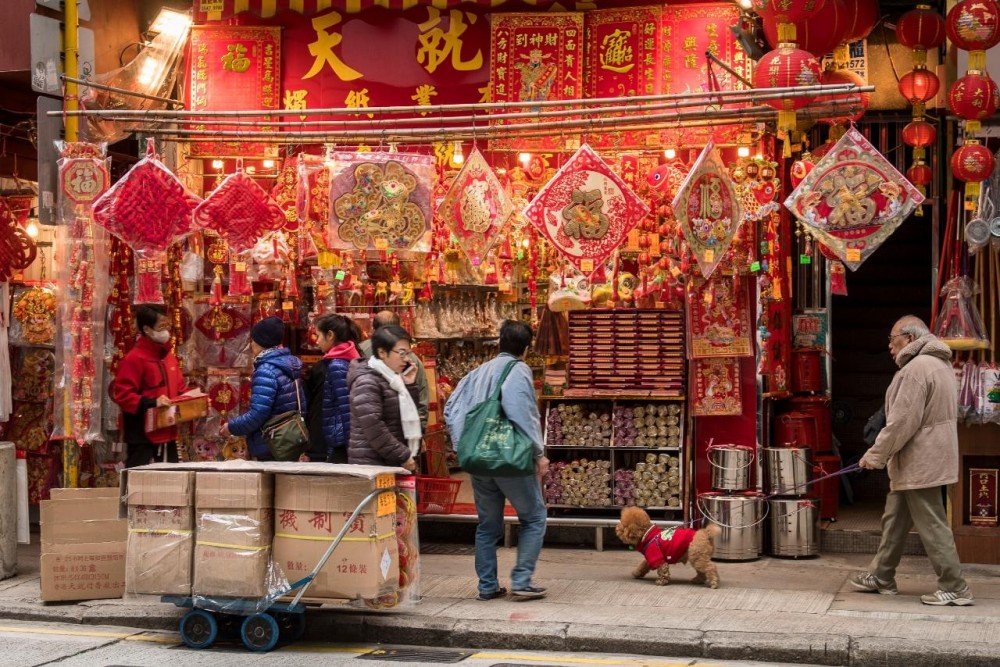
(385, 423)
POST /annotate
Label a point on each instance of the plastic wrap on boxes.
(160, 532)
(234, 527)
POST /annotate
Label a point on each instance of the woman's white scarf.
(407, 408)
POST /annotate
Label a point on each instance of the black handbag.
(286, 435)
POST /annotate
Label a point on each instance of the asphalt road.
(25, 644)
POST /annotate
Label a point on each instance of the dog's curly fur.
(633, 526)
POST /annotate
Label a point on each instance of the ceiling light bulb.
(268, 164)
(457, 157)
(670, 153)
(743, 151)
(217, 165)
(32, 229)
(744, 4)
(524, 158)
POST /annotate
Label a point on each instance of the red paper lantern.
(817, 35)
(973, 97)
(974, 25)
(918, 86)
(972, 162)
(787, 67)
(787, 11)
(919, 134)
(865, 14)
(842, 76)
(921, 28)
(919, 174)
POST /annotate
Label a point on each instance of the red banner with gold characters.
(691, 30)
(536, 57)
(624, 58)
(232, 68)
(983, 496)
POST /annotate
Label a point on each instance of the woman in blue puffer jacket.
(275, 387)
(326, 386)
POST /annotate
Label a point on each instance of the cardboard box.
(83, 546)
(71, 494)
(309, 513)
(160, 532)
(233, 533)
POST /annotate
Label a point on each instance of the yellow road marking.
(128, 636)
(577, 661)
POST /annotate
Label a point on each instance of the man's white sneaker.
(961, 598)
(866, 581)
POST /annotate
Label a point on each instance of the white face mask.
(161, 337)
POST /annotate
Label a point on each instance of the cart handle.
(304, 583)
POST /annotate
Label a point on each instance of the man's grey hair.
(912, 325)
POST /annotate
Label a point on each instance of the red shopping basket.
(436, 495)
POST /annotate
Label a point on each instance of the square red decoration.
(708, 209)
(476, 208)
(149, 208)
(853, 199)
(586, 210)
(240, 211)
(381, 201)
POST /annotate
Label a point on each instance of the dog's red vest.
(665, 546)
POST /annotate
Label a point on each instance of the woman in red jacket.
(148, 376)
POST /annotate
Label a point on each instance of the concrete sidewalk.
(802, 611)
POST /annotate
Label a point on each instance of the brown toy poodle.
(673, 545)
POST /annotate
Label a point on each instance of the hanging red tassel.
(148, 288)
(239, 283)
(216, 299)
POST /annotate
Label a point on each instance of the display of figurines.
(656, 482)
(581, 482)
(578, 425)
(653, 425)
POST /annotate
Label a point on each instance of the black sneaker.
(528, 593)
(498, 593)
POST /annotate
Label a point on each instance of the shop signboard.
(809, 328)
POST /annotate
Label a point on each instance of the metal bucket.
(730, 467)
(794, 527)
(788, 470)
(741, 517)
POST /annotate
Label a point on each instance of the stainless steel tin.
(730, 467)
(741, 517)
(794, 527)
(787, 470)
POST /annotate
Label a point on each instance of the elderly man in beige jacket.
(920, 446)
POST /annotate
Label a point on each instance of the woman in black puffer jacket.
(385, 424)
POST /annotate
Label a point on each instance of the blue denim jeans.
(525, 494)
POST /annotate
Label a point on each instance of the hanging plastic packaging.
(83, 253)
(959, 324)
(989, 402)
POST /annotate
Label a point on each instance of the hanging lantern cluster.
(787, 65)
(800, 29)
(920, 29)
(973, 26)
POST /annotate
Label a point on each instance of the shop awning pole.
(125, 116)
(120, 91)
(414, 110)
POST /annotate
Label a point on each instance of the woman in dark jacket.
(326, 386)
(385, 424)
(274, 387)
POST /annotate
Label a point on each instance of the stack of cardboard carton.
(83, 545)
(160, 532)
(234, 523)
(309, 512)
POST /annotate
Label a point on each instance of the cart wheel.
(260, 633)
(293, 626)
(199, 629)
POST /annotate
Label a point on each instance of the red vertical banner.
(624, 53)
(233, 68)
(689, 31)
(536, 57)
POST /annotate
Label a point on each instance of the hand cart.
(259, 630)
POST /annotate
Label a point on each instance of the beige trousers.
(923, 509)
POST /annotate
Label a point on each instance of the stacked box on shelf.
(627, 350)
